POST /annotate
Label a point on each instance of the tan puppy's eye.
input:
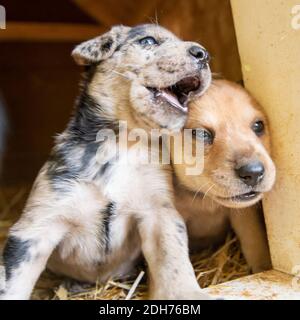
(205, 135)
(258, 127)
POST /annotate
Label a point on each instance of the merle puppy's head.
(144, 75)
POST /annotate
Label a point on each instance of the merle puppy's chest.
(104, 241)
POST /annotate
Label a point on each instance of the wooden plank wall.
(270, 51)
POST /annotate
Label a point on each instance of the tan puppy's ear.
(100, 48)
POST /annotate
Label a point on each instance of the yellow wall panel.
(268, 33)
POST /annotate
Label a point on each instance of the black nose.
(199, 53)
(252, 173)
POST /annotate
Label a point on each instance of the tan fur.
(229, 111)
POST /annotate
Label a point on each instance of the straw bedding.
(211, 266)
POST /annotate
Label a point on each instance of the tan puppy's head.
(144, 75)
(238, 169)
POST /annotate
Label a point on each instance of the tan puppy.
(237, 172)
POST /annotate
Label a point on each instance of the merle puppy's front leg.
(165, 247)
(27, 250)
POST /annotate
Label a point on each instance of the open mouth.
(177, 95)
(244, 197)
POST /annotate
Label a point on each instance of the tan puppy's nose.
(252, 173)
(200, 53)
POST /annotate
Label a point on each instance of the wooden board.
(270, 285)
(46, 32)
(269, 47)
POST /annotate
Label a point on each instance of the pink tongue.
(172, 99)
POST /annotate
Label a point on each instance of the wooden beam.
(31, 31)
(269, 285)
(100, 11)
(111, 12)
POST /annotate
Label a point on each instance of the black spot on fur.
(181, 240)
(181, 227)
(60, 172)
(95, 54)
(107, 215)
(81, 133)
(90, 152)
(118, 48)
(104, 168)
(87, 121)
(164, 69)
(106, 45)
(140, 30)
(15, 252)
(181, 236)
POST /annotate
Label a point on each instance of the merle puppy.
(91, 211)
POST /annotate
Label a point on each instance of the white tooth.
(170, 98)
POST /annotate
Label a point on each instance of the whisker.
(120, 74)
(213, 185)
(197, 192)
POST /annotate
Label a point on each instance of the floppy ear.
(100, 48)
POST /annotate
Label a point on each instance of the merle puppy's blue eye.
(204, 134)
(148, 41)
